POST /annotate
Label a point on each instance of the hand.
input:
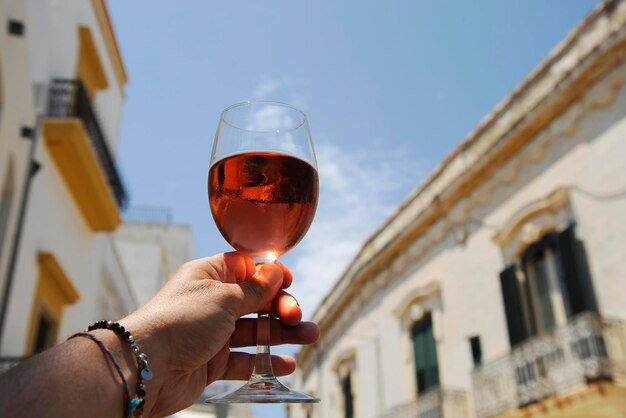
(188, 328)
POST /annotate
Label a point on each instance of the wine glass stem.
(263, 363)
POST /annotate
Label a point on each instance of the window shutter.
(425, 350)
(575, 271)
(513, 306)
(432, 367)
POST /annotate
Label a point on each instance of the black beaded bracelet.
(135, 406)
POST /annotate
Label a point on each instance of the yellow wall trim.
(609, 398)
(54, 291)
(50, 265)
(89, 66)
(110, 41)
(68, 143)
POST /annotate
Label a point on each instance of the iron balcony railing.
(148, 215)
(69, 98)
(589, 348)
(435, 403)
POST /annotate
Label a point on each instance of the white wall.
(16, 111)
(152, 253)
(53, 221)
(54, 44)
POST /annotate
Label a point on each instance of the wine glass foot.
(263, 390)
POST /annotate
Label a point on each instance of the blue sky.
(389, 87)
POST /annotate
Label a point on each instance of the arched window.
(547, 279)
(345, 367)
(420, 315)
(425, 351)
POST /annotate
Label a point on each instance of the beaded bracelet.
(105, 350)
(136, 404)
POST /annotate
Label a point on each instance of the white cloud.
(359, 190)
(268, 86)
(270, 118)
(281, 89)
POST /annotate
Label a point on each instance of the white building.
(62, 93)
(498, 288)
(151, 251)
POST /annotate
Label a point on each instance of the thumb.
(258, 292)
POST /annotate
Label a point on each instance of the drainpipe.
(31, 169)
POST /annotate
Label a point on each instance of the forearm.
(73, 379)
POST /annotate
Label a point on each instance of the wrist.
(149, 341)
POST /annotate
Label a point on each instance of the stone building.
(498, 288)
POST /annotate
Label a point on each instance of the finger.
(242, 266)
(233, 267)
(240, 366)
(256, 293)
(287, 275)
(220, 360)
(303, 333)
(286, 307)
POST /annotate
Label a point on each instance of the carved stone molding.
(413, 305)
(524, 225)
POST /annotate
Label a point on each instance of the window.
(477, 351)
(550, 284)
(45, 333)
(425, 351)
(348, 396)
(347, 384)
(54, 292)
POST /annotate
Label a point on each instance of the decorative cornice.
(516, 133)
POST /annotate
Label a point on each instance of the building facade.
(498, 288)
(62, 87)
(151, 252)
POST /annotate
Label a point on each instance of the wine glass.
(263, 189)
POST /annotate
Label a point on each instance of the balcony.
(69, 98)
(436, 403)
(78, 146)
(578, 366)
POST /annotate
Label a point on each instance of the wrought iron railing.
(436, 403)
(69, 98)
(589, 348)
(7, 363)
(148, 214)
